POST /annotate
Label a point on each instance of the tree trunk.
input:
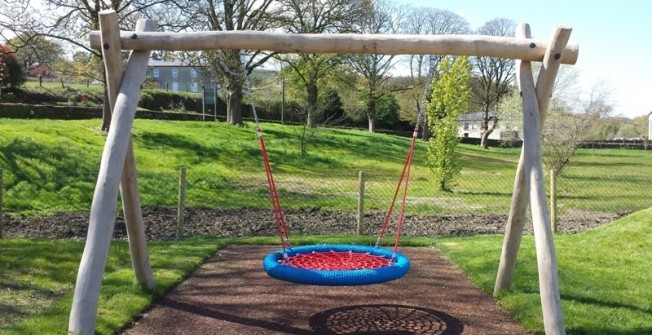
(425, 134)
(234, 103)
(106, 111)
(313, 93)
(371, 115)
(484, 139)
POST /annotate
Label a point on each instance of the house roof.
(474, 116)
(161, 63)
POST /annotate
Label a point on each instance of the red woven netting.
(334, 260)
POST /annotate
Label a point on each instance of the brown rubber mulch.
(231, 294)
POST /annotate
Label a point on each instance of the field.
(51, 166)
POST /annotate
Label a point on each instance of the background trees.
(318, 17)
(384, 17)
(493, 77)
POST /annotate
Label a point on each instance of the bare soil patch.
(160, 223)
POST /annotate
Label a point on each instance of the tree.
(231, 65)
(384, 18)
(450, 98)
(493, 79)
(429, 21)
(569, 124)
(11, 73)
(34, 50)
(318, 17)
(70, 21)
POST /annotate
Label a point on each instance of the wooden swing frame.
(117, 170)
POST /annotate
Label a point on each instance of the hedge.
(26, 111)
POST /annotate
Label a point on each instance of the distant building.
(176, 76)
(471, 127)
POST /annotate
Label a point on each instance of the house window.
(194, 87)
(466, 126)
(175, 73)
(193, 73)
(155, 73)
(175, 86)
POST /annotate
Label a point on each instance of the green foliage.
(332, 105)
(450, 98)
(604, 285)
(387, 110)
(11, 73)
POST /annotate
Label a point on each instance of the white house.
(471, 127)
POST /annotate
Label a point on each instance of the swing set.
(326, 264)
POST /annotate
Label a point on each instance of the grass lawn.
(604, 276)
(51, 165)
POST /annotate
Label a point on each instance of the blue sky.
(614, 39)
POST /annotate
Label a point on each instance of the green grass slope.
(604, 276)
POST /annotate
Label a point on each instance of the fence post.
(181, 208)
(360, 215)
(1, 204)
(553, 200)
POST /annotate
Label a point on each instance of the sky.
(613, 36)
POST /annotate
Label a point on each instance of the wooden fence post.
(1, 203)
(181, 205)
(553, 201)
(360, 216)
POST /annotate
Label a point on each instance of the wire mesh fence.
(579, 196)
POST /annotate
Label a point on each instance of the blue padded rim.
(336, 277)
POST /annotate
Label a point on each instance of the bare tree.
(429, 21)
(385, 18)
(493, 78)
(317, 17)
(572, 121)
(68, 21)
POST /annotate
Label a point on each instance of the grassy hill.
(51, 165)
(604, 276)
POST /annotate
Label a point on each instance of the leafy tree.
(231, 65)
(34, 50)
(450, 98)
(494, 77)
(318, 17)
(11, 73)
(387, 110)
(70, 21)
(384, 18)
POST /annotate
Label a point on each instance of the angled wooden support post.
(517, 211)
(535, 102)
(102, 217)
(112, 53)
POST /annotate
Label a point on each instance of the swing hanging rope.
(361, 265)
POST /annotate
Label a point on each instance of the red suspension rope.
(279, 218)
(405, 174)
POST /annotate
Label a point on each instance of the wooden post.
(553, 201)
(2, 221)
(129, 182)
(181, 209)
(553, 320)
(102, 215)
(360, 216)
(517, 211)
